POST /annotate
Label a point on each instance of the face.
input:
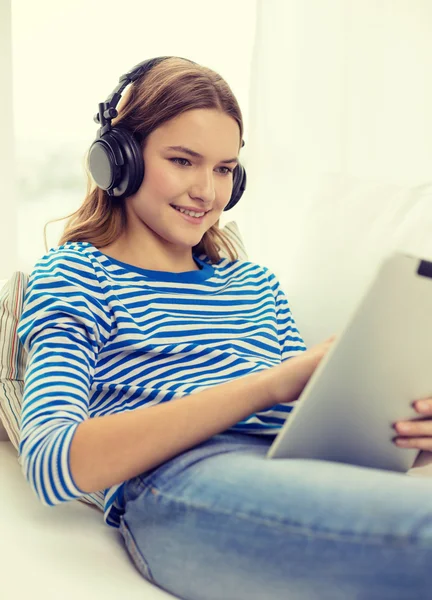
(175, 178)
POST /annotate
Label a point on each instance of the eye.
(174, 159)
(228, 170)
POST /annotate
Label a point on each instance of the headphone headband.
(107, 109)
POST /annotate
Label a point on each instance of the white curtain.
(339, 86)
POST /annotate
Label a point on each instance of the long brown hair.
(168, 89)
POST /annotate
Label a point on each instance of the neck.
(146, 257)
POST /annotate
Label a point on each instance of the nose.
(204, 188)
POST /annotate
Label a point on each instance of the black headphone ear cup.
(132, 172)
(239, 186)
(104, 161)
(116, 162)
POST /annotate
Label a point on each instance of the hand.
(417, 432)
(291, 376)
(315, 354)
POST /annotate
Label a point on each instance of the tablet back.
(368, 380)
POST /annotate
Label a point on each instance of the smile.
(192, 213)
(189, 215)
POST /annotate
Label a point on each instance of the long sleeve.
(62, 328)
(290, 339)
(291, 344)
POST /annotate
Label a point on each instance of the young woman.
(159, 373)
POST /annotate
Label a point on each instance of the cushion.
(3, 433)
(13, 356)
(232, 232)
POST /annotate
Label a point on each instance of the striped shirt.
(104, 337)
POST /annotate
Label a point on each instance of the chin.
(184, 241)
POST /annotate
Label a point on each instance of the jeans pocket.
(134, 551)
(134, 487)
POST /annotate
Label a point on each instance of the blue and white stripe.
(104, 337)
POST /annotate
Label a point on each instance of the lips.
(197, 210)
(189, 218)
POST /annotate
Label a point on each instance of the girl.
(159, 373)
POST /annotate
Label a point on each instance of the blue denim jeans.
(222, 522)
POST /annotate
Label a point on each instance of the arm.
(61, 328)
(290, 340)
(291, 344)
(108, 450)
(111, 449)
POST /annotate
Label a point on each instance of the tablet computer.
(368, 380)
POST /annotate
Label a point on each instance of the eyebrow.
(196, 154)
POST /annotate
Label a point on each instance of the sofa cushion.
(12, 355)
(3, 433)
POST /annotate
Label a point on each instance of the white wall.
(337, 86)
(345, 85)
(8, 221)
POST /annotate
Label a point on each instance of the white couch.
(339, 229)
(62, 552)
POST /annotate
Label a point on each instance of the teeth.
(190, 212)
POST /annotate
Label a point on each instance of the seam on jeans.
(290, 526)
(134, 551)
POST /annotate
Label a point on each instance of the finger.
(414, 428)
(424, 406)
(420, 443)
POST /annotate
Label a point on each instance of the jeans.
(222, 522)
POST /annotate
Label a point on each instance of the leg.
(221, 522)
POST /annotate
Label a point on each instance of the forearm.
(111, 449)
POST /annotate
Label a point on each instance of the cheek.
(163, 181)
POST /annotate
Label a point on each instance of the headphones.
(115, 158)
